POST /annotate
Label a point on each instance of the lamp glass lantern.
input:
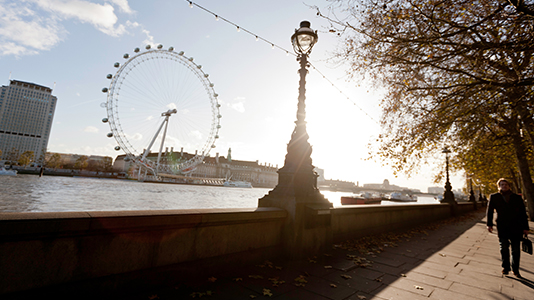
(304, 38)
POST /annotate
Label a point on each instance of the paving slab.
(441, 294)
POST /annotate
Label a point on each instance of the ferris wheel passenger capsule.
(104, 90)
(136, 50)
(126, 55)
(181, 53)
(110, 134)
(109, 76)
(199, 66)
(216, 136)
(117, 148)
(171, 48)
(212, 146)
(219, 116)
(147, 47)
(105, 120)
(218, 126)
(191, 59)
(160, 46)
(218, 105)
(215, 95)
(211, 84)
(116, 65)
(206, 75)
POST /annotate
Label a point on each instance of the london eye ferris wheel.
(160, 99)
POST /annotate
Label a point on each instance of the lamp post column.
(307, 227)
(448, 195)
(472, 197)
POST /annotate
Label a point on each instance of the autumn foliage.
(455, 73)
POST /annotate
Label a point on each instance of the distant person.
(512, 223)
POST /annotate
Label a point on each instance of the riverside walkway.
(452, 259)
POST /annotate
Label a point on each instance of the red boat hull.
(353, 200)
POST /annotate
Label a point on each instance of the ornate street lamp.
(471, 191)
(297, 178)
(448, 195)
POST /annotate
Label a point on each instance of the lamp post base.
(307, 228)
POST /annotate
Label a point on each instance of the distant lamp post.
(472, 197)
(296, 191)
(471, 192)
(448, 195)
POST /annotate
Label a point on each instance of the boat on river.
(402, 197)
(3, 171)
(362, 198)
(237, 183)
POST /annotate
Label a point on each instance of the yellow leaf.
(267, 292)
(252, 296)
(212, 279)
(346, 276)
(238, 279)
(333, 285)
(328, 267)
(418, 287)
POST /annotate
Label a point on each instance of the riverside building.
(26, 114)
(215, 168)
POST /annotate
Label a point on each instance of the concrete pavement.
(452, 259)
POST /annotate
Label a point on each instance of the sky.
(71, 45)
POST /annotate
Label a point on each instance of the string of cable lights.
(273, 46)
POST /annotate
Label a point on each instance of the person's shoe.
(505, 271)
(516, 274)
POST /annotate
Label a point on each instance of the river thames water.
(31, 193)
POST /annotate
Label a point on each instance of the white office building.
(26, 114)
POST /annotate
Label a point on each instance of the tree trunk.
(524, 171)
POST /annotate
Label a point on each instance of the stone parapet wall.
(99, 250)
(47, 249)
(360, 220)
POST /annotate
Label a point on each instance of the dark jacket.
(511, 216)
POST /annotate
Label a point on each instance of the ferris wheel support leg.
(154, 139)
(166, 121)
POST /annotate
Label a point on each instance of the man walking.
(512, 223)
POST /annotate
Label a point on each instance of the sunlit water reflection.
(54, 193)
